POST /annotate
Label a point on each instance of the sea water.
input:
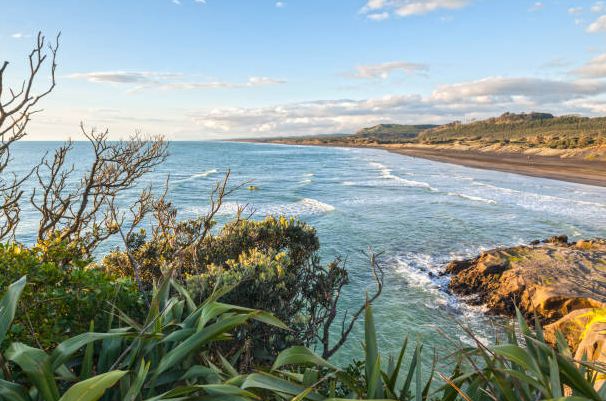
(417, 214)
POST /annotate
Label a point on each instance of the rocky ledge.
(563, 283)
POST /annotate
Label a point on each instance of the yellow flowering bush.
(61, 299)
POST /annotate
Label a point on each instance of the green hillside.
(525, 129)
(539, 129)
(392, 133)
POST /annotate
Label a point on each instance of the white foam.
(586, 209)
(541, 197)
(197, 175)
(306, 206)
(473, 198)
(303, 207)
(422, 271)
(387, 174)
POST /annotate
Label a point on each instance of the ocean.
(417, 214)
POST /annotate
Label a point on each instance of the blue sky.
(217, 69)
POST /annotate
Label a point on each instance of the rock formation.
(563, 283)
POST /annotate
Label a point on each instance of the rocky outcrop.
(550, 278)
(563, 283)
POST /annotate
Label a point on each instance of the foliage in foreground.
(527, 368)
(163, 357)
(169, 356)
(523, 368)
(60, 301)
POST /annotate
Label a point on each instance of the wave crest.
(197, 175)
(387, 173)
(303, 207)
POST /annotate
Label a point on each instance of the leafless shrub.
(17, 106)
(85, 213)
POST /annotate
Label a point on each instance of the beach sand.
(590, 172)
(565, 169)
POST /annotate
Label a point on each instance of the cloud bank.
(481, 98)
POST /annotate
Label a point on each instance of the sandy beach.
(582, 171)
(573, 170)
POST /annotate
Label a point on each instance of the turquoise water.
(419, 214)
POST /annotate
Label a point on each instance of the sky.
(220, 69)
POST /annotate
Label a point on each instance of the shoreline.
(574, 170)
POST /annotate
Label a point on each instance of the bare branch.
(346, 328)
(83, 212)
(16, 110)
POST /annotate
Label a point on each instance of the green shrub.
(61, 300)
(272, 264)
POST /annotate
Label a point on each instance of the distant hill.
(536, 129)
(522, 131)
(392, 133)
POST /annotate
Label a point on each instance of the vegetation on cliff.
(529, 129)
(392, 133)
(521, 131)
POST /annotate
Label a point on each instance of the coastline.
(580, 171)
(571, 170)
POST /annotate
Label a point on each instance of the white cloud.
(252, 82)
(378, 16)
(537, 6)
(598, 26)
(167, 81)
(280, 4)
(479, 99)
(124, 77)
(596, 68)
(20, 35)
(313, 117)
(424, 7)
(598, 7)
(502, 89)
(177, 2)
(382, 9)
(575, 10)
(558, 62)
(475, 99)
(375, 4)
(384, 70)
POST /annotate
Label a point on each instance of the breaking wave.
(423, 272)
(303, 207)
(473, 198)
(197, 175)
(387, 173)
